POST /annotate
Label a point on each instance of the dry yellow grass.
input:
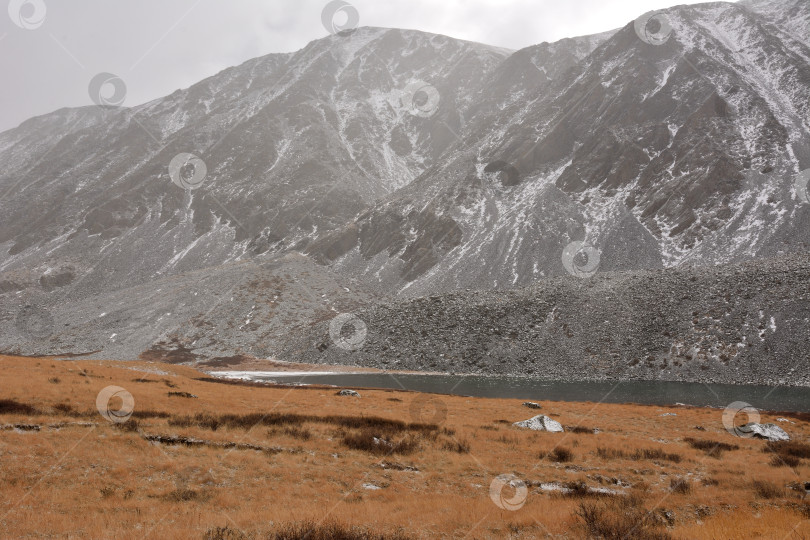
(102, 481)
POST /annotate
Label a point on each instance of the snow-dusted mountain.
(404, 163)
(324, 127)
(291, 144)
(653, 155)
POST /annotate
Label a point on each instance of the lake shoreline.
(661, 393)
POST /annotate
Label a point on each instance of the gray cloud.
(157, 47)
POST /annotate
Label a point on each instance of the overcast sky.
(158, 46)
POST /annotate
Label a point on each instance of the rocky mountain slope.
(226, 218)
(290, 144)
(654, 155)
(740, 323)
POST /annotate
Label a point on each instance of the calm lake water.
(773, 398)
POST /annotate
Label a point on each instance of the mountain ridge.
(707, 110)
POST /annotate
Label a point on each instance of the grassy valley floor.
(204, 459)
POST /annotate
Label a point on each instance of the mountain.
(291, 146)
(383, 164)
(255, 127)
(653, 155)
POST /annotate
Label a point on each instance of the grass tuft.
(374, 443)
(713, 449)
(249, 421)
(620, 518)
(298, 433)
(224, 533)
(330, 531)
(461, 446)
(131, 425)
(150, 414)
(680, 485)
(638, 455)
(785, 461)
(559, 455)
(579, 429)
(767, 490)
(187, 495)
(578, 489)
(9, 406)
(794, 449)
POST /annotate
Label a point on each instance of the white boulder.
(540, 422)
(772, 432)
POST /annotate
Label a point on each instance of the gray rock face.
(532, 405)
(771, 432)
(540, 423)
(215, 315)
(91, 221)
(742, 323)
(346, 392)
(656, 156)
